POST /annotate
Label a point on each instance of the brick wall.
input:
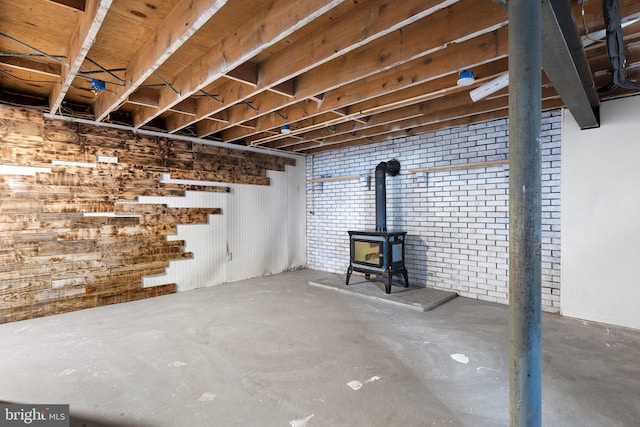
(457, 221)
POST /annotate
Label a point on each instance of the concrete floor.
(275, 351)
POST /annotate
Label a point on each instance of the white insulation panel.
(262, 231)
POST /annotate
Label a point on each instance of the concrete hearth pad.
(413, 297)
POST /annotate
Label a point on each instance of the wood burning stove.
(379, 251)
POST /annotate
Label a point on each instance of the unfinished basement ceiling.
(338, 73)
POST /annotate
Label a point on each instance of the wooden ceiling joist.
(433, 113)
(424, 125)
(363, 63)
(185, 19)
(439, 108)
(146, 96)
(84, 37)
(188, 107)
(310, 53)
(424, 108)
(265, 122)
(234, 50)
(44, 68)
(363, 25)
(344, 73)
(246, 73)
(338, 72)
(265, 101)
(476, 51)
(220, 117)
(453, 25)
(285, 88)
(79, 5)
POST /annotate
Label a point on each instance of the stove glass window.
(367, 252)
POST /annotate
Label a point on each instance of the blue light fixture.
(466, 78)
(285, 128)
(98, 85)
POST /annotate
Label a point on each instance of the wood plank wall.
(54, 257)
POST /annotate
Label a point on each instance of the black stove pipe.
(381, 197)
(392, 167)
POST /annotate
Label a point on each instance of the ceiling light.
(98, 85)
(466, 78)
(285, 128)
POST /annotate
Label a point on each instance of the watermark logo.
(34, 415)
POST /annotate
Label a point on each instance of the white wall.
(601, 216)
(262, 228)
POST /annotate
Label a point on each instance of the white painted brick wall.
(456, 221)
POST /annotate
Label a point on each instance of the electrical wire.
(27, 80)
(117, 122)
(586, 29)
(188, 131)
(42, 108)
(153, 128)
(121, 80)
(29, 55)
(6, 73)
(615, 47)
(82, 76)
(75, 114)
(210, 96)
(113, 70)
(64, 110)
(166, 83)
(248, 104)
(281, 115)
(33, 48)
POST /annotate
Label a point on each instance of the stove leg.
(349, 271)
(406, 278)
(387, 278)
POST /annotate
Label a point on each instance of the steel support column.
(525, 109)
